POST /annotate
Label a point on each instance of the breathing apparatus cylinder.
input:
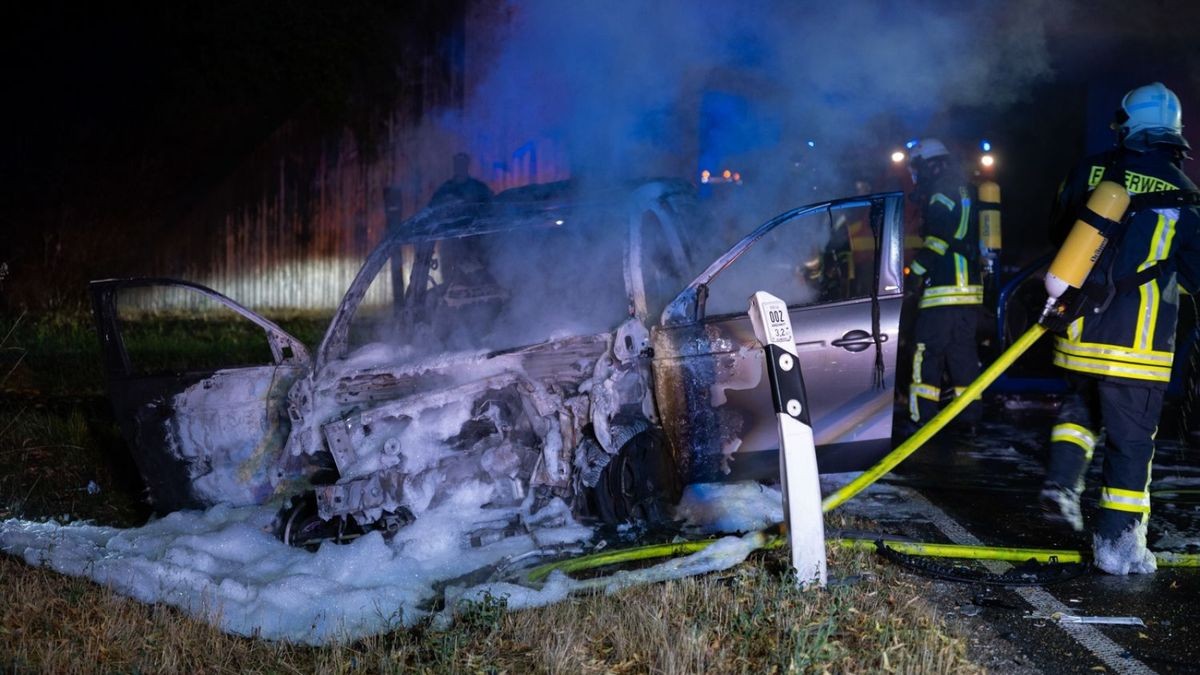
(1085, 243)
(989, 215)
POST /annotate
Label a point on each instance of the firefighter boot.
(1126, 554)
(1060, 506)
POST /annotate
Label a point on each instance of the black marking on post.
(786, 385)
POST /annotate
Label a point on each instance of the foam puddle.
(222, 566)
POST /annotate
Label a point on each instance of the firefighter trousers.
(944, 343)
(1129, 413)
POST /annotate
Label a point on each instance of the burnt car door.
(199, 387)
(839, 267)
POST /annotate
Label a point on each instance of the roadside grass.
(749, 619)
(58, 355)
(67, 465)
(57, 435)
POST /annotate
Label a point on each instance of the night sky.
(160, 99)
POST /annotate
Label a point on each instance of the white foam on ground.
(222, 566)
(735, 507)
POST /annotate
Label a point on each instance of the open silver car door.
(839, 267)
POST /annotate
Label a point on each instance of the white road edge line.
(1091, 639)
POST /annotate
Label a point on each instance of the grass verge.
(749, 619)
(58, 355)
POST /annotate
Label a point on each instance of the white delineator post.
(797, 452)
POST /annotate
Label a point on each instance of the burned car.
(547, 345)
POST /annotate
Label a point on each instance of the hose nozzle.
(1049, 310)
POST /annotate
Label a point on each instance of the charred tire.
(639, 485)
(297, 519)
(299, 524)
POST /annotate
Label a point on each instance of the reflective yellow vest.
(949, 259)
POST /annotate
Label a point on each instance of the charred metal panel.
(562, 363)
(372, 387)
(142, 409)
(682, 387)
(367, 498)
(339, 439)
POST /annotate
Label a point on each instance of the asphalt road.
(984, 490)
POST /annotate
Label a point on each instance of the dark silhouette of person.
(461, 186)
(469, 299)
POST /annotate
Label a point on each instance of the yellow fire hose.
(652, 551)
(648, 552)
(934, 425)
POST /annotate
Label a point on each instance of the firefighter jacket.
(949, 258)
(1127, 332)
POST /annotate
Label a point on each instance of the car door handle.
(857, 341)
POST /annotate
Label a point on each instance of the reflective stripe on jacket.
(949, 259)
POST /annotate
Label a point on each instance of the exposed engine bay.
(532, 425)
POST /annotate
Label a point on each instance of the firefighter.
(468, 294)
(462, 186)
(1117, 343)
(947, 269)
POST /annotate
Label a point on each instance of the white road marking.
(1110, 653)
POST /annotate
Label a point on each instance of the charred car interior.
(549, 347)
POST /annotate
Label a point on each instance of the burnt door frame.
(143, 403)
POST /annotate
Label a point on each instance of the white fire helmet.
(927, 149)
(1152, 106)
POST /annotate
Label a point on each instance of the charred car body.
(540, 345)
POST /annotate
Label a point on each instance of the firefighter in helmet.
(468, 294)
(947, 269)
(1116, 341)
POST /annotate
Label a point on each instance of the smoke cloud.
(626, 87)
(790, 94)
